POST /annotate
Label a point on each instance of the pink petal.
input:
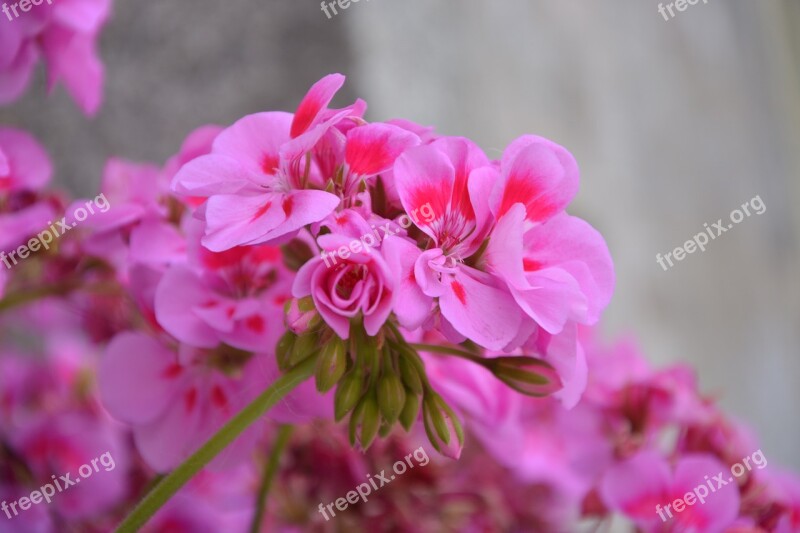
(373, 149)
(72, 59)
(27, 164)
(302, 208)
(538, 174)
(213, 174)
(136, 378)
(178, 294)
(240, 220)
(480, 310)
(255, 141)
(721, 507)
(4, 166)
(465, 156)
(636, 486)
(174, 436)
(317, 99)
(412, 307)
(17, 76)
(573, 246)
(3, 280)
(84, 16)
(566, 355)
(16, 228)
(549, 296)
(424, 175)
(156, 243)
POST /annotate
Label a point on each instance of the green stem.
(270, 469)
(449, 351)
(229, 432)
(30, 295)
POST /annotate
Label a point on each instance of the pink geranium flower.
(257, 186)
(25, 169)
(173, 401)
(234, 297)
(453, 178)
(65, 33)
(644, 486)
(357, 283)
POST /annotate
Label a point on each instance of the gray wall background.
(674, 124)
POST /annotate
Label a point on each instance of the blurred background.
(674, 123)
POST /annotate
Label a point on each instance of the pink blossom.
(357, 283)
(173, 401)
(25, 169)
(64, 443)
(557, 267)
(257, 191)
(234, 297)
(65, 33)
(644, 484)
(453, 177)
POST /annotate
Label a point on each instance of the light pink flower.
(173, 401)
(234, 297)
(65, 33)
(645, 483)
(257, 186)
(63, 444)
(557, 267)
(452, 177)
(357, 283)
(25, 169)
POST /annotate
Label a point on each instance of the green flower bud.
(410, 374)
(331, 365)
(391, 396)
(304, 347)
(410, 411)
(442, 427)
(348, 392)
(527, 375)
(284, 349)
(365, 422)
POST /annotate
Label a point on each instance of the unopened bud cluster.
(381, 381)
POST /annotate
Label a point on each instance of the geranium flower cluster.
(64, 33)
(495, 261)
(417, 290)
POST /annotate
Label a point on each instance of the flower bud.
(348, 392)
(391, 396)
(301, 315)
(409, 373)
(304, 347)
(284, 350)
(528, 375)
(331, 365)
(365, 422)
(410, 411)
(442, 427)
